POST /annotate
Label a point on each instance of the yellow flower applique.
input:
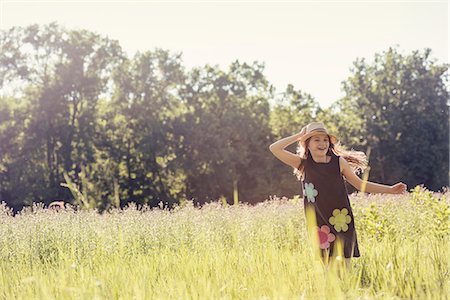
(340, 219)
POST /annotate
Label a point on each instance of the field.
(225, 252)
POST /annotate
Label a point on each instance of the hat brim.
(333, 138)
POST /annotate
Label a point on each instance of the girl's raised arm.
(285, 156)
(369, 187)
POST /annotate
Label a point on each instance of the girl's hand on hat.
(398, 188)
(302, 132)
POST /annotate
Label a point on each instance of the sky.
(310, 44)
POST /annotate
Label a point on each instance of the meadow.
(225, 252)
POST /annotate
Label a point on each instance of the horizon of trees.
(75, 110)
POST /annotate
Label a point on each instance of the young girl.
(320, 163)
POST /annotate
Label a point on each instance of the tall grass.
(225, 252)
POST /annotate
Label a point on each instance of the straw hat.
(316, 128)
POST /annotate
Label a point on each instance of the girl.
(320, 163)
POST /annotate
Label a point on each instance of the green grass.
(217, 252)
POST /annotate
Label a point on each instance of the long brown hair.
(356, 159)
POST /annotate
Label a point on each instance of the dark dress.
(325, 193)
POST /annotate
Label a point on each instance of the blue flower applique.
(310, 192)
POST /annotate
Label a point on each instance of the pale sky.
(310, 44)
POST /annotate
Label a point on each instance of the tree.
(60, 74)
(399, 103)
(226, 132)
(139, 128)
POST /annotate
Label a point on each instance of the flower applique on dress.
(325, 236)
(310, 192)
(340, 219)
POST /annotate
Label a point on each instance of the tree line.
(77, 113)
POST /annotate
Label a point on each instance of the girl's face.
(319, 144)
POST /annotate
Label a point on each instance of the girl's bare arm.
(285, 156)
(369, 187)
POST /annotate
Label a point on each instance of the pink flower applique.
(325, 237)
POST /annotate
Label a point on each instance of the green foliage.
(59, 75)
(397, 105)
(81, 200)
(144, 129)
(437, 205)
(226, 132)
(247, 252)
(292, 111)
(427, 212)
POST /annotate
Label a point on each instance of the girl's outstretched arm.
(369, 187)
(285, 156)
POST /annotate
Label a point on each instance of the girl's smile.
(319, 144)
